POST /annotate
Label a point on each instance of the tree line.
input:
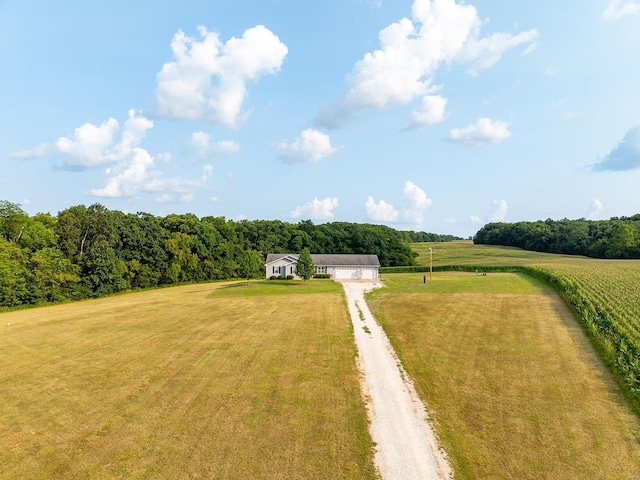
(92, 251)
(618, 237)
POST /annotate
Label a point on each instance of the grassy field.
(605, 296)
(202, 381)
(514, 387)
(464, 252)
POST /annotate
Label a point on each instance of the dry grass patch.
(177, 383)
(514, 386)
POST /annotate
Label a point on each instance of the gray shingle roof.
(332, 260)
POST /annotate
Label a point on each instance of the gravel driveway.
(406, 447)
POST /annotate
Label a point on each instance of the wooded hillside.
(618, 237)
(93, 251)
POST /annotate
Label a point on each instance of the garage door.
(343, 272)
(368, 273)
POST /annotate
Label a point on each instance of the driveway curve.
(406, 446)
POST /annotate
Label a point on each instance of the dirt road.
(406, 446)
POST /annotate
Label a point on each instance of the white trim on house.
(338, 266)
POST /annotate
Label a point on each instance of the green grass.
(603, 294)
(512, 383)
(464, 252)
(185, 382)
(276, 287)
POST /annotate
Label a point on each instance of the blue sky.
(431, 115)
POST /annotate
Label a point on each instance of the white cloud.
(129, 178)
(411, 51)
(484, 131)
(200, 142)
(418, 203)
(207, 79)
(381, 211)
(91, 146)
(625, 156)
(317, 209)
(499, 212)
(485, 52)
(475, 219)
(595, 209)
(311, 146)
(618, 9)
(431, 111)
(37, 152)
(177, 184)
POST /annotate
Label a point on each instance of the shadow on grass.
(275, 287)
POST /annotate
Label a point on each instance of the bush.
(289, 277)
(322, 275)
(273, 277)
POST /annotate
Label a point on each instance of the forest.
(618, 237)
(85, 252)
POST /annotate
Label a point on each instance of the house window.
(322, 269)
(292, 270)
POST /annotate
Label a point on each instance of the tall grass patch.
(512, 383)
(180, 383)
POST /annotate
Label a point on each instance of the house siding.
(342, 266)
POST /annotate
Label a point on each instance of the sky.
(426, 115)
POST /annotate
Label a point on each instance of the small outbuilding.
(337, 266)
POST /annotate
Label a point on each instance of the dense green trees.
(250, 264)
(92, 251)
(614, 238)
(304, 266)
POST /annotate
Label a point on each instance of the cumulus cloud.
(316, 209)
(207, 79)
(92, 145)
(625, 156)
(499, 211)
(595, 209)
(129, 178)
(484, 131)
(439, 32)
(430, 112)
(381, 211)
(418, 203)
(132, 170)
(475, 219)
(618, 9)
(311, 146)
(200, 142)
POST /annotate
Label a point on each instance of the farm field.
(511, 382)
(605, 295)
(200, 381)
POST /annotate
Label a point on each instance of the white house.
(339, 266)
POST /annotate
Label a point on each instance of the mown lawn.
(513, 385)
(201, 381)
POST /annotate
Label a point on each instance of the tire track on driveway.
(406, 446)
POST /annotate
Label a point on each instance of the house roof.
(331, 260)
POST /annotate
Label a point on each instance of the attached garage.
(342, 273)
(338, 266)
(369, 273)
